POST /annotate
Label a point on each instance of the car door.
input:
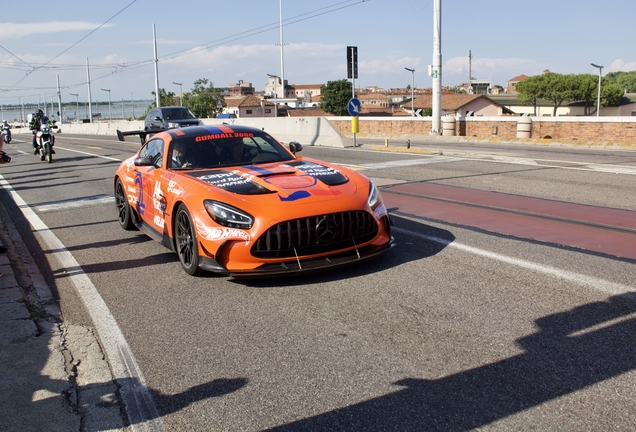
(150, 186)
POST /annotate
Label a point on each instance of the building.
(545, 108)
(303, 91)
(512, 83)
(248, 107)
(460, 105)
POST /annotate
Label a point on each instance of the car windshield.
(225, 150)
(178, 113)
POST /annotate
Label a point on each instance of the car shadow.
(398, 255)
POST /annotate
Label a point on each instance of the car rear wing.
(142, 135)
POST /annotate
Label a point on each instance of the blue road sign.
(353, 107)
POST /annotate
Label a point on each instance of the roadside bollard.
(408, 143)
(386, 142)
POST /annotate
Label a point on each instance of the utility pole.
(90, 105)
(59, 100)
(436, 70)
(154, 42)
(282, 62)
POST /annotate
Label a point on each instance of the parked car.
(170, 117)
(231, 199)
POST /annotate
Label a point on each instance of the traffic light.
(352, 62)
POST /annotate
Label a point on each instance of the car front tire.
(124, 212)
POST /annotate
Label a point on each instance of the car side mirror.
(295, 147)
(144, 161)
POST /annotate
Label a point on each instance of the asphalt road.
(455, 328)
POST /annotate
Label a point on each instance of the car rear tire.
(124, 212)
(186, 243)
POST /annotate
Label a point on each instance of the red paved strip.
(595, 239)
(557, 209)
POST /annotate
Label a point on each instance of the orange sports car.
(231, 199)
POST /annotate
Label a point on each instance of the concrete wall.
(307, 131)
(336, 131)
(615, 129)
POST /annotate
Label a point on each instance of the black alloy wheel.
(124, 212)
(186, 241)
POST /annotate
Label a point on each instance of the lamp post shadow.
(571, 351)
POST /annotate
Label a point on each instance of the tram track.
(606, 231)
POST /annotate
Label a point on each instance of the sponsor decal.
(129, 179)
(295, 196)
(327, 175)
(159, 221)
(235, 181)
(158, 200)
(172, 188)
(223, 135)
(131, 189)
(141, 205)
(222, 233)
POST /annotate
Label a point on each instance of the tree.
(165, 99)
(625, 80)
(204, 99)
(530, 90)
(335, 96)
(586, 91)
(558, 89)
(611, 93)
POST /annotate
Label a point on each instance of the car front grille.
(316, 234)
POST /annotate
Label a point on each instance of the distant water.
(118, 110)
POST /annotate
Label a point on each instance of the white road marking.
(548, 163)
(138, 402)
(494, 158)
(76, 203)
(89, 154)
(607, 287)
(402, 163)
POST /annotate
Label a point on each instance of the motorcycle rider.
(6, 130)
(35, 124)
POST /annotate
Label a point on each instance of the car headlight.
(227, 215)
(374, 196)
(174, 125)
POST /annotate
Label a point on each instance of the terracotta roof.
(245, 102)
(518, 78)
(233, 102)
(250, 101)
(306, 112)
(306, 86)
(450, 101)
(371, 111)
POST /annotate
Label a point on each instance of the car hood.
(290, 181)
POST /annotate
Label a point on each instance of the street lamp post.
(275, 96)
(412, 88)
(110, 117)
(598, 98)
(76, 104)
(180, 92)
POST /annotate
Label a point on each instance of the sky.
(228, 41)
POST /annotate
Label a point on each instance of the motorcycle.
(44, 140)
(6, 131)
